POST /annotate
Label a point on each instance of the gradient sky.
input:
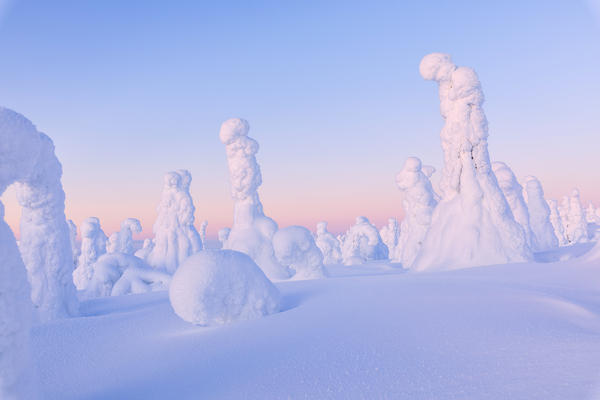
(131, 89)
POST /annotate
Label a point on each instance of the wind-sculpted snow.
(362, 243)
(539, 215)
(513, 191)
(122, 241)
(93, 245)
(472, 224)
(216, 287)
(252, 232)
(390, 234)
(295, 248)
(117, 274)
(147, 247)
(328, 244)
(419, 203)
(175, 237)
(557, 224)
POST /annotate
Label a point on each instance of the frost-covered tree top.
(390, 234)
(473, 223)
(295, 248)
(328, 244)
(539, 215)
(93, 245)
(557, 224)
(122, 241)
(362, 243)
(576, 226)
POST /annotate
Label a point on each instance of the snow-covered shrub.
(539, 215)
(220, 286)
(175, 237)
(362, 243)
(252, 231)
(147, 247)
(556, 221)
(472, 224)
(419, 203)
(328, 244)
(122, 241)
(116, 274)
(93, 245)
(390, 234)
(224, 235)
(513, 191)
(75, 248)
(295, 248)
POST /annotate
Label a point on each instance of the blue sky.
(131, 89)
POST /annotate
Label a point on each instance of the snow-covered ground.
(516, 331)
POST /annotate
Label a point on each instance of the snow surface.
(539, 215)
(216, 287)
(520, 331)
(472, 224)
(295, 248)
(328, 244)
(93, 245)
(252, 231)
(362, 243)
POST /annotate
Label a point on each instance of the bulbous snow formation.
(122, 241)
(390, 235)
(556, 221)
(117, 274)
(513, 191)
(295, 248)
(145, 250)
(419, 203)
(539, 215)
(362, 243)
(75, 248)
(175, 237)
(252, 232)
(472, 224)
(93, 245)
(576, 225)
(328, 244)
(223, 235)
(216, 287)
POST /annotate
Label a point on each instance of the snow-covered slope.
(519, 331)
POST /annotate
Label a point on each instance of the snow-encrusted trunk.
(513, 191)
(252, 231)
(473, 224)
(557, 224)
(328, 244)
(390, 234)
(539, 215)
(93, 245)
(419, 203)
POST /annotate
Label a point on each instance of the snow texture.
(75, 248)
(252, 232)
(295, 248)
(574, 219)
(175, 237)
(122, 241)
(328, 244)
(419, 202)
(93, 245)
(539, 215)
(390, 234)
(203, 226)
(513, 191)
(362, 243)
(472, 224)
(117, 274)
(216, 287)
(556, 221)
(591, 214)
(147, 247)
(224, 235)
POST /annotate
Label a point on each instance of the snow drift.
(473, 224)
(295, 248)
(216, 287)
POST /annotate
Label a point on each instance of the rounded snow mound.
(436, 66)
(215, 287)
(232, 129)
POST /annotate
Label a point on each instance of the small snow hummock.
(390, 234)
(539, 215)
(328, 244)
(252, 231)
(175, 237)
(117, 274)
(513, 191)
(362, 243)
(419, 202)
(472, 224)
(556, 221)
(216, 287)
(122, 241)
(93, 245)
(295, 248)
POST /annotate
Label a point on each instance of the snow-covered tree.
(328, 244)
(223, 235)
(576, 227)
(175, 237)
(122, 241)
(419, 203)
(513, 191)
(147, 247)
(591, 214)
(539, 215)
(203, 226)
(362, 243)
(93, 245)
(390, 234)
(556, 221)
(295, 248)
(252, 231)
(75, 248)
(472, 224)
